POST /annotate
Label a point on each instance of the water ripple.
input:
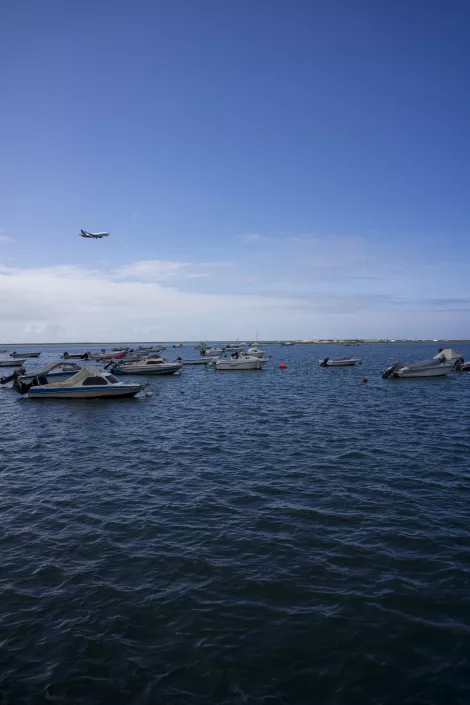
(276, 537)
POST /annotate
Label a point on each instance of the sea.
(279, 537)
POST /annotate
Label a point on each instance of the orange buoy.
(282, 366)
(364, 379)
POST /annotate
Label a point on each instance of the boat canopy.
(449, 354)
(80, 377)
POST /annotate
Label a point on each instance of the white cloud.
(251, 238)
(5, 238)
(72, 303)
(147, 300)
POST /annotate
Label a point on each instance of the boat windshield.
(112, 379)
(89, 381)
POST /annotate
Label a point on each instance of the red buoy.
(364, 379)
(282, 366)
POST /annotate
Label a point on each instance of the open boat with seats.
(88, 383)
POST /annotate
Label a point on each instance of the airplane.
(97, 236)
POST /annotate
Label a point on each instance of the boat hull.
(198, 361)
(84, 392)
(239, 366)
(25, 355)
(167, 370)
(413, 374)
(338, 363)
(11, 363)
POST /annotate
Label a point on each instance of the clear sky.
(294, 168)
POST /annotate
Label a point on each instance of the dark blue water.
(289, 537)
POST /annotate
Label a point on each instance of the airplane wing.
(96, 236)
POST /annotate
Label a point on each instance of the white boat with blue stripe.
(88, 383)
(53, 371)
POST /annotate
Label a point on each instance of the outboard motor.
(13, 376)
(388, 371)
(459, 364)
(324, 362)
(24, 387)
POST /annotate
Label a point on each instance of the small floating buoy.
(364, 379)
(282, 366)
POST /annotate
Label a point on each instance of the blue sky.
(292, 168)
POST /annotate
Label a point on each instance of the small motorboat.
(52, 371)
(287, 343)
(256, 352)
(240, 362)
(178, 345)
(211, 351)
(88, 383)
(339, 362)
(151, 348)
(149, 366)
(234, 347)
(428, 368)
(201, 346)
(24, 354)
(195, 361)
(351, 344)
(11, 362)
(87, 355)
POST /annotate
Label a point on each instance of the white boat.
(211, 351)
(242, 363)
(201, 346)
(11, 362)
(88, 383)
(149, 366)
(178, 345)
(339, 361)
(256, 352)
(287, 343)
(52, 371)
(428, 368)
(195, 361)
(235, 346)
(24, 354)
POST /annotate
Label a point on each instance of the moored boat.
(52, 371)
(24, 354)
(239, 362)
(195, 361)
(339, 361)
(256, 352)
(428, 368)
(11, 362)
(149, 366)
(88, 383)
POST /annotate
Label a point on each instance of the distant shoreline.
(258, 342)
